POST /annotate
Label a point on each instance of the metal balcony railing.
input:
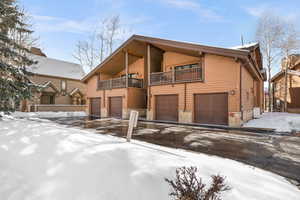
(120, 83)
(176, 76)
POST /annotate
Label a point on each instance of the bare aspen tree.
(112, 27)
(100, 44)
(269, 31)
(288, 45)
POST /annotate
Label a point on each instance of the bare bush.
(189, 186)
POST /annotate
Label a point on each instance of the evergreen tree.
(14, 82)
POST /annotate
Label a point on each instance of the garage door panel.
(115, 107)
(95, 107)
(211, 108)
(166, 107)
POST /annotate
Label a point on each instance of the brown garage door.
(115, 107)
(95, 107)
(166, 107)
(211, 108)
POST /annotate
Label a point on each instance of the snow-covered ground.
(48, 114)
(44, 160)
(283, 122)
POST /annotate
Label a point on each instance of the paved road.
(279, 154)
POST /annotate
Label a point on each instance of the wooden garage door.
(166, 107)
(115, 107)
(95, 107)
(211, 108)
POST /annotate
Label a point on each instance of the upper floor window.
(131, 75)
(189, 66)
(63, 85)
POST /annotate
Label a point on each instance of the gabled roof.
(246, 46)
(49, 84)
(75, 91)
(235, 53)
(58, 68)
(281, 73)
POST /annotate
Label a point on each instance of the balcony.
(176, 76)
(119, 83)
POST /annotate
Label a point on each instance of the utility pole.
(242, 39)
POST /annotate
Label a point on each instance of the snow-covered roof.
(245, 46)
(54, 67)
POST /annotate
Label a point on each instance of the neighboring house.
(60, 85)
(293, 86)
(178, 81)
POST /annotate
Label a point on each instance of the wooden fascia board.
(85, 78)
(195, 47)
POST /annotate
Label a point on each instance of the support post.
(126, 67)
(148, 74)
(173, 75)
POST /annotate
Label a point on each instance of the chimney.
(37, 51)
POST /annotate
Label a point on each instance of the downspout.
(241, 92)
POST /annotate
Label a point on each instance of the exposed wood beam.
(293, 72)
(148, 74)
(126, 67)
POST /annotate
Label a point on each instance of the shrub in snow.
(189, 186)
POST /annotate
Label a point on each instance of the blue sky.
(61, 23)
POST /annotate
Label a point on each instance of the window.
(131, 75)
(189, 66)
(190, 72)
(63, 85)
(48, 98)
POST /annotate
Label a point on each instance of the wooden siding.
(221, 75)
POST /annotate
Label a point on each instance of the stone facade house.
(293, 86)
(60, 85)
(177, 81)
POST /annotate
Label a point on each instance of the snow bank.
(40, 160)
(283, 122)
(48, 114)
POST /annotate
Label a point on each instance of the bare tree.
(288, 45)
(112, 27)
(101, 43)
(270, 30)
(87, 52)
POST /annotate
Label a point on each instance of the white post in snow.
(134, 115)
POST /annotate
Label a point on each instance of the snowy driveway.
(279, 154)
(45, 160)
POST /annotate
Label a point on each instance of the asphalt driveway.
(276, 153)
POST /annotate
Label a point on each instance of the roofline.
(59, 77)
(56, 59)
(237, 53)
(277, 75)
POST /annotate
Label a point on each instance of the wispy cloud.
(196, 7)
(57, 24)
(258, 10)
(185, 4)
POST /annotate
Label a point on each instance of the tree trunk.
(270, 93)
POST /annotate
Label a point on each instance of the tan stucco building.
(178, 81)
(60, 85)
